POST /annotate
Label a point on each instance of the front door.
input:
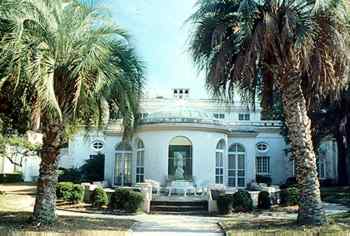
(122, 175)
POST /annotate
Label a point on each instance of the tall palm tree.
(297, 47)
(77, 61)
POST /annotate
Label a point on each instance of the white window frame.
(263, 165)
(235, 154)
(262, 151)
(244, 116)
(219, 163)
(322, 168)
(98, 141)
(140, 162)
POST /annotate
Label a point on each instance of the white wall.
(203, 152)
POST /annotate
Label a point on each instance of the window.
(219, 162)
(97, 145)
(123, 165)
(244, 116)
(236, 166)
(262, 147)
(219, 115)
(321, 167)
(140, 162)
(263, 165)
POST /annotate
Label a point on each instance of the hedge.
(70, 192)
(242, 201)
(224, 203)
(264, 200)
(99, 198)
(11, 178)
(289, 196)
(126, 200)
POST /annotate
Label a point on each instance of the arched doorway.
(236, 165)
(180, 159)
(123, 165)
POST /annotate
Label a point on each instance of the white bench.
(183, 186)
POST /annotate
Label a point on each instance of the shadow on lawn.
(19, 224)
(281, 227)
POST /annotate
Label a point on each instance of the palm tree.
(302, 47)
(77, 61)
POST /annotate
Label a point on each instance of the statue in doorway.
(179, 160)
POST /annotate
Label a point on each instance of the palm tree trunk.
(45, 203)
(299, 132)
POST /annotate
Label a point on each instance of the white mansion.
(223, 143)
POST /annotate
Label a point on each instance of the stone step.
(178, 208)
(195, 213)
(180, 203)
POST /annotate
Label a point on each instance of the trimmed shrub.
(224, 203)
(11, 178)
(77, 193)
(264, 179)
(70, 192)
(63, 190)
(264, 200)
(242, 201)
(126, 200)
(289, 196)
(69, 175)
(99, 197)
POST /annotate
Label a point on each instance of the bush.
(77, 193)
(70, 192)
(242, 201)
(290, 182)
(224, 203)
(126, 200)
(99, 198)
(69, 175)
(63, 190)
(264, 179)
(289, 196)
(264, 200)
(11, 178)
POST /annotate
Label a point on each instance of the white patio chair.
(155, 185)
(202, 187)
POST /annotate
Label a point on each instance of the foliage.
(69, 175)
(289, 196)
(70, 192)
(99, 197)
(290, 182)
(126, 200)
(242, 201)
(11, 178)
(224, 203)
(264, 179)
(63, 190)
(264, 200)
(93, 168)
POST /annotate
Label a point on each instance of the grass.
(340, 195)
(340, 225)
(15, 220)
(20, 221)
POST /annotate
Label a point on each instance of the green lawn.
(339, 225)
(15, 214)
(340, 195)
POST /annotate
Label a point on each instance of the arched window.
(123, 165)
(236, 166)
(219, 162)
(140, 162)
(180, 159)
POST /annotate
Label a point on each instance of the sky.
(160, 35)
